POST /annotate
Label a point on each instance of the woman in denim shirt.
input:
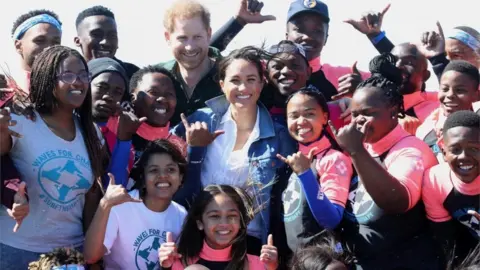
(234, 140)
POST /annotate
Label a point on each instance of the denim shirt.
(265, 167)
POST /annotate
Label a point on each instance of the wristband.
(378, 38)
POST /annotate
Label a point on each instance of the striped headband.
(31, 22)
(465, 38)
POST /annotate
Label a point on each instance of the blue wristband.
(378, 38)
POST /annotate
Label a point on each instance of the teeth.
(76, 92)
(466, 167)
(223, 232)
(190, 54)
(161, 111)
(289, 81)
(162, 185)
(244, 96)
(103, 52)
(304, 130)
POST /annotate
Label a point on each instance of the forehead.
(160, 159)
(241, 67)
(301, 100)
(154, 78)
(192, 25)
(98, 22)
(405, 50)
(42, 29)
(368, 97)
(72, 63)
(462, 134)
(221, 201)
(458, 78)
(453, 45)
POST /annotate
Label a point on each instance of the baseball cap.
(287, 46)
(313, 6)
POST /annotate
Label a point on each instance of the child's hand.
(20, 208)
(269, 254)
(167, 253)
(197, 134)
(6, 122)
(116, 194)
(128, 123)
(409, 124)
(298, 161)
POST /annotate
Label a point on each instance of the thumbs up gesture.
(197, 134)
(20, 206)
(347, 84)
(269, 254)
(298, 161)
(167, 253)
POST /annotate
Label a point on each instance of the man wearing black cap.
(307, 24)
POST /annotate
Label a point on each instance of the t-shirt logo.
(63, 177)
(146, 247)
(360, 204)
(468, 220)
(292, 198)
(310, 3)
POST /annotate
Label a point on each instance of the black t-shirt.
(319, 80)
(386, 241)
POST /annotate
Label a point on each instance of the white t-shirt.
(57, 174)
(134, 234)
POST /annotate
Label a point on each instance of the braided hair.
(386, 76)
(58, 257)
(43, 82)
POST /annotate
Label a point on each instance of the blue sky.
(142, 40)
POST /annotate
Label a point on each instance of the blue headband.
(31, 22)
(465, 38)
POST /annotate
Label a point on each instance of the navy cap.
(314, 6)
(289, 47)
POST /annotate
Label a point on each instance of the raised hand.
(269, 254)
(370, 23)
(432, 43)
(197, 134)
(128, 123)
(298, 161)
(347, 84)
(167, 254)
(349, 137)
(249, 12)
(409, 124)
(20, 208)
(6, 122)
(116, 194)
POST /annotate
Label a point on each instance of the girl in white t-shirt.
(58, 156)
(128, 228)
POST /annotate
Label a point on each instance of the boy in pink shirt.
(451, 189)
(458, 90)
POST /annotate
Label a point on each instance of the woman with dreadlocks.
(384, 223)
(59, 156)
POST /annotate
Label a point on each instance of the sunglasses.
(71, 78)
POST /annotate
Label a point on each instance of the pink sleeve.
(335, 112)
(254, 262)
(335, 171)
(434, 194)
(407, 162)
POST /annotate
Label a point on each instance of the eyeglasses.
(71, 78)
